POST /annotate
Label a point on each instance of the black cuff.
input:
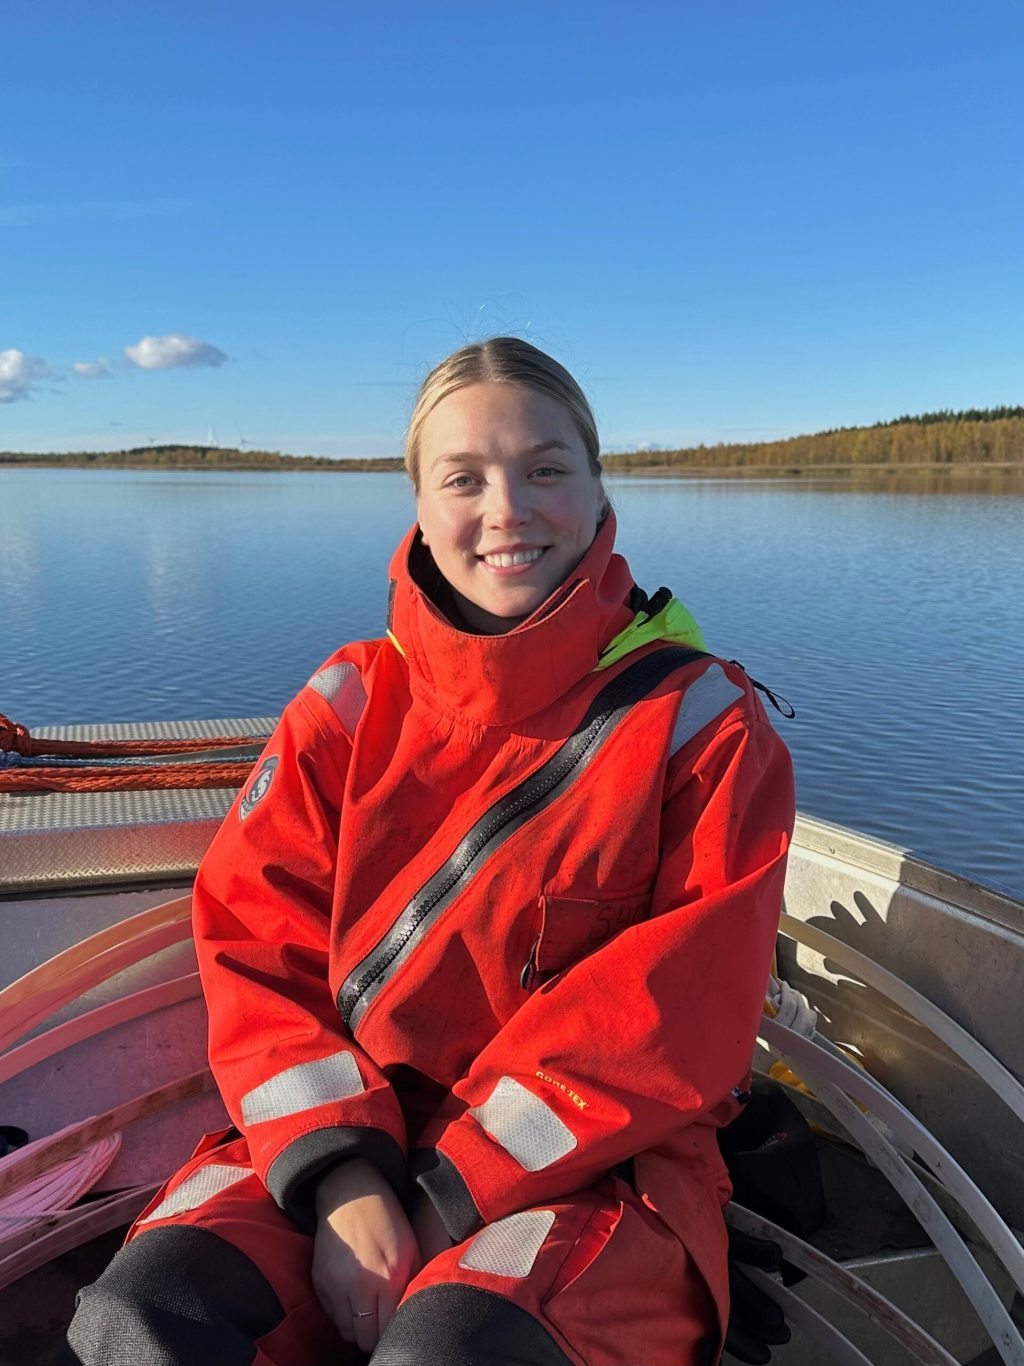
(443, 1183)
(294, 1173)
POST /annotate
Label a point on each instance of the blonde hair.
(501, 360)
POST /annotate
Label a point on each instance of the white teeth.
(507, 561)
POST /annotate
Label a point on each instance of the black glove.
(756, 1322)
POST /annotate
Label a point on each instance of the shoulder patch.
(704, 700)
(259, 786)
(342, 686)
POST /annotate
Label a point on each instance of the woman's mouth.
(513, 559)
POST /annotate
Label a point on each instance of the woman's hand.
(364, 1251)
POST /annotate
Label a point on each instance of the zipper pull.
(529, 971)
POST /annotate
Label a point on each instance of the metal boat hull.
(71, 867)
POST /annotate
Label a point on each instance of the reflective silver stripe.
(703, 700)
(510, 1246)
(303, 1088)
(196, 1189)
(343, 688)
(525, 1127)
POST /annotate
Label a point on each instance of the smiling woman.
(444, 935)
(507, 504)
(503, 452)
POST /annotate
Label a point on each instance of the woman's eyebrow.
(456, 456)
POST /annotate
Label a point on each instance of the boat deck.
(957, 943)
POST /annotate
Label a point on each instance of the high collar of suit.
(500, 680)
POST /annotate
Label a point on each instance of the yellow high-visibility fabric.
(673, 623)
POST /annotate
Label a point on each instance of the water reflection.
(953, 483)
(19, 560)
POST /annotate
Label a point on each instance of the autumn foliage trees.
(196, 457)
(990, 438)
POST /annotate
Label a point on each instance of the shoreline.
(946, 472)
(795, 473)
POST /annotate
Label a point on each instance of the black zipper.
(533, 795)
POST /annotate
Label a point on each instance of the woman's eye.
(461, 481)
(547, 472)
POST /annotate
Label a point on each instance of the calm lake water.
(891, 621)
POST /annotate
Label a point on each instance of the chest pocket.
(572, 927)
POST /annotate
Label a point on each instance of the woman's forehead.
(495, 420)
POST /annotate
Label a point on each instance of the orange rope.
(144, 777)
(108, 778)
(16, 738)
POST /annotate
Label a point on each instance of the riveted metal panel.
(87, 839)
(160, 730)
(58, 839)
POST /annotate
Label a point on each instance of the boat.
(908, 1064)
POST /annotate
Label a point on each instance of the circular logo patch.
(259, 787)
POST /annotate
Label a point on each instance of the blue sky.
(732, 221)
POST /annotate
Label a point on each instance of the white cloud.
(20, 373)
(172, 350)
(92, 369)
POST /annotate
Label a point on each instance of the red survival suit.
(485, 919)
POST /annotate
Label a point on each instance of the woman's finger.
(364, 1326)
(334, 1305)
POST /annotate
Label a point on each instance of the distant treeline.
(977, 437)
(948, 415)
(986, 437)
(198, 457)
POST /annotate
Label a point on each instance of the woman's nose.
(508, 503)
